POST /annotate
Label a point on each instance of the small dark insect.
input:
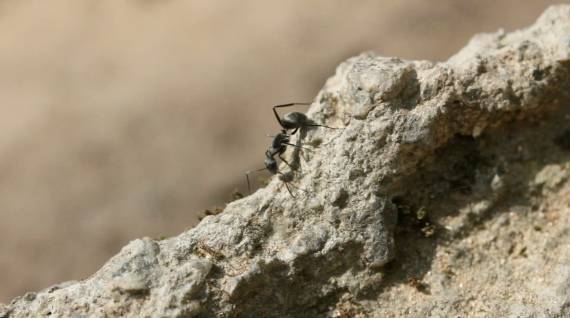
(277, 148)
(295, 120)
(291, 121)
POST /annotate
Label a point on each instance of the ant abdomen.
(294, 120)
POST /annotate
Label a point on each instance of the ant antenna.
(247, 177)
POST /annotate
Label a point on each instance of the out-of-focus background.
(123, 119)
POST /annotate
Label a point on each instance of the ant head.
(270, 163)
(278, 143)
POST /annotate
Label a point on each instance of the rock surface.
(444, 194)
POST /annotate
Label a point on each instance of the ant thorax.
(279, 142)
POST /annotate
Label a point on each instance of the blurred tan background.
(123, 119)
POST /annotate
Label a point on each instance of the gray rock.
(271, 255)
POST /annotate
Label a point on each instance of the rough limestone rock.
(444, 193)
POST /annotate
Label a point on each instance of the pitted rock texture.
(427, 161)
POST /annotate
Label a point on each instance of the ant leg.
(286, 162)
(248, 183)
(285, 105)
(285, 179)
(316, 125)
(247, 177)
(296, 146)
(288, 189)
(291, 104)
(296, 187)
(295, 162)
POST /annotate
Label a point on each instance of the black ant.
(277, 148)
(291, 121)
